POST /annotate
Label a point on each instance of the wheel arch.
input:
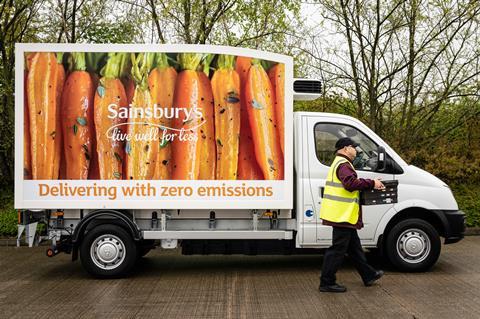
(99, 217)
(433, 217)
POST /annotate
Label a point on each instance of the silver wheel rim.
(413, 246)
(107, 252)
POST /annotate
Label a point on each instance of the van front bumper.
(455, 225)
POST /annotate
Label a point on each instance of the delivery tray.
(389, 195)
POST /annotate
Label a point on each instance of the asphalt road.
(169, 285)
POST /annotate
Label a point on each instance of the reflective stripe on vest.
(339, 205)
(341, 199)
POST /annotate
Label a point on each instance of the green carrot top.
(206, 61)
(161, 61)
(189, 61)
(77, 61)
(113, 68)
(59, 56)
(141, 66)
(94, 61)
(226, 62)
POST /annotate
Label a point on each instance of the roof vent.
(306, 89)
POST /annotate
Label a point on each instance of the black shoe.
(378, 275)
(333, 288)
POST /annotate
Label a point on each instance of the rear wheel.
(108, 251)
(413, 245)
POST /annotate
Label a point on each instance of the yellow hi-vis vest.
(339, 205)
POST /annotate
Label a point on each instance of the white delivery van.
(268, 204)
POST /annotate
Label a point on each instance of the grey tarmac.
(166, 284)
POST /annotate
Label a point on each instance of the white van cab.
(407, 231)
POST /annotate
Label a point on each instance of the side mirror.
(381, 159)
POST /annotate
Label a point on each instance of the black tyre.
(413, 245)
(108, 251)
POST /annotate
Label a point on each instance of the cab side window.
(327, 134)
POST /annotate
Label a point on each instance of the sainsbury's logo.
(157, 112)
(192, 119)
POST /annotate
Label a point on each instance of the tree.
(254, 23)
(405, 60)
(93, 21)
(16, 17)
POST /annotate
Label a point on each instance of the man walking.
(341, 209)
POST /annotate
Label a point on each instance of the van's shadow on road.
(156, 263)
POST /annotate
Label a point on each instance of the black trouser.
(344, 240)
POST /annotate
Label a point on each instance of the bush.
(8, 215)
(468, 198)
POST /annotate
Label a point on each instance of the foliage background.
(409, 69)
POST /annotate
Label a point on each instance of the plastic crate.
(389, 195)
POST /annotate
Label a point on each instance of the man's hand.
(378, 184)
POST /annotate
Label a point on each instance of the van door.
(325, 134)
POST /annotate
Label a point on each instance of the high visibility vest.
(339, 205)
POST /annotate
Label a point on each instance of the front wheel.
(413, 245)
(108, 251)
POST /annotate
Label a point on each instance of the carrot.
(248, 168)
(129, 85)
(93, 172)
(207, 130)
(95, 79)
(27, 157)
(260, 107)
(142, 149)
(186, 146)
(127, 79)
(62, 173)
(277, 78)
(226, 94)
(77, 108)
(59, 154)
(161, 83)
(110, 91)
(44, 87)
(94, 62)
(28, 60)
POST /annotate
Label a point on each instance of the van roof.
(336, 115)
